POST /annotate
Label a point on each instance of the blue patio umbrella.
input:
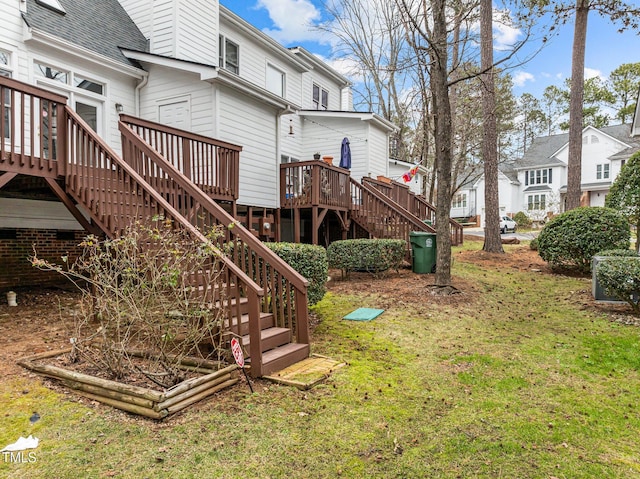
(345, 154)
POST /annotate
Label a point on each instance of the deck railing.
(416, 204)
(210, 164)
(314, 183)
(31, 123)
(116, 196)
(381, 216)
(285, 290)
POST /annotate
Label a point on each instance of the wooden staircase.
(171, 174)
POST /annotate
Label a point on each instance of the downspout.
(141, 84)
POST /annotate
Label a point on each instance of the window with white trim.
(538, 177)
(320, 97)
(459, 201)
(602, 171)
(275, 80)
(537, 202)
(86, 95)
(228, 55)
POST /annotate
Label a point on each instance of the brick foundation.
(16, 247)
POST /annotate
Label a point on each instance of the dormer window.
(52, 5)
(229, 55)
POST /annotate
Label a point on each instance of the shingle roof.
(542, 149)
(100, 26)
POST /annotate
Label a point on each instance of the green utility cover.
(364, 314)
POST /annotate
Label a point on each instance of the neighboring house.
(542, 172)
(468, 203)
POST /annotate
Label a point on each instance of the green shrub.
(572, 238)
(534, 244)
(308, 260)
(373, 255)
(617, 252)
(522, 219)
(619, 276)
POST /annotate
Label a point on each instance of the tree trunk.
(442, 114)
(492, 240)
(574, 167)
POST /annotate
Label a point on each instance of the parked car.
(507, 224)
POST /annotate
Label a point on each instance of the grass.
(521, 383)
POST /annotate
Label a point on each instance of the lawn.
(518, 377)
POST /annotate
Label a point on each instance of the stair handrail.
(218, 212)
(160, 144)
(283, 300)
(113, 157)
(396, 207)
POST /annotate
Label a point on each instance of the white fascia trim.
(245, 27)
(370, 117)
(317, 64)
(206, 72)
(31, 34)
(238, 83)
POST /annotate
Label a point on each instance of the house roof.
(102, 29)
(543, 149)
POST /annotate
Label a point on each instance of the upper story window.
(320, 98)
(602, 171)
(538, 177)
(275, 80)
(229, 55)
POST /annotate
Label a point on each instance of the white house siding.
(141, 12)
(378, 146)
(36, 214)
(324, 134)
(252, 125)
(167, 85)
(292, 145)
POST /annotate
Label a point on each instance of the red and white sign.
(236, 349)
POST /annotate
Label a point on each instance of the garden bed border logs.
(138, 400)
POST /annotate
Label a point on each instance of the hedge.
(571, 239)
(372, 255)
(308, 260)
(619, 276)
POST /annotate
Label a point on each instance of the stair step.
(269, 338)
(244, 304)
(279, 358)
(266, 321)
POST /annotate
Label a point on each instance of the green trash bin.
(423, 251)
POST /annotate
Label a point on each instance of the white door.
(175, 113)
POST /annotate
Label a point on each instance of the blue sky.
(288, 22)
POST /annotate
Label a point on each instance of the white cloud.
(293, 20)
(520, 78)
(505, 36)
(592, 73)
